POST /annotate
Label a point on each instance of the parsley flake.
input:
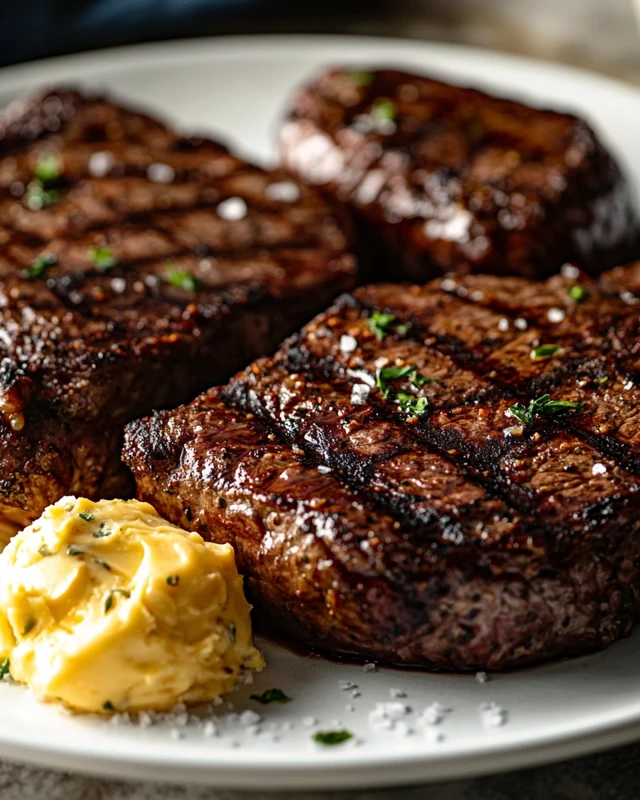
(101, 532)
(545, 351)
(542, 406)
(173, 580)
(87, 516)
(109, 601)
(383, 110)
(48, 168)
(380, 324)
(108, 706)
(415, 406)
(271, 696)
(361, 78)
(72, 550)
(40, 265)
(37, 197)
(332, 737)
(44, 551)
(578, 293)
(103, 259)
(4, 668)
(181, 279)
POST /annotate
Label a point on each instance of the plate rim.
(309, 771)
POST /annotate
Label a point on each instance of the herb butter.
(106, 607)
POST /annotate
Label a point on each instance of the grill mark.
(553, 379)
(471, 429)
(369, 445)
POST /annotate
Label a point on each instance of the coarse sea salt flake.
(232, 209)
(160, 173)
(360, 394)
(348, 344)
(284, 191)
(555, 315)
(249, 717)
(100, 164)
(598, 469)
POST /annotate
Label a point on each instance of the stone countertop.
(606, 776)
(588, 33)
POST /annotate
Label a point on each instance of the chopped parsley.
(72, 550)
(383, 324)
(410, 403)
(44, 551)
(270, 696)
(173, 580)
(102, 563)
(545, 351)
(602, 381)
(101, 532)
(578, 293)
(332, 737)
(4, 668)
(109, 601)
(40, 265)
(383, 110)
(380, 324)
(108, 706)
(361, 78)
(181, 279)
(87, 516)
(103, 259)
(415, 406)
(48, 168)
(37, 197)
(543, 406)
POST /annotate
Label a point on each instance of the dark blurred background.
(601, 34)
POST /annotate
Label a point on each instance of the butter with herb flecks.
(107, 607)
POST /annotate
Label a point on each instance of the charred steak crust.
(137, 267)
(454, 538)
(447, 179)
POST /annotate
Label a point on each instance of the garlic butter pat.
(107, 607)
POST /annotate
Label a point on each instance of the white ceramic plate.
(235, 88)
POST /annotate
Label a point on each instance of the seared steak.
(446, 476)
(446, 179)
(137, 268)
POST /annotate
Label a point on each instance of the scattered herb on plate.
(330, 738)
(87, 516)
(4, 668)
(173, 580)
(72, 550)
(271, 696)
(108, 706)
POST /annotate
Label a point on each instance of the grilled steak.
(445, 179)
(137, 267)
(446, 476)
